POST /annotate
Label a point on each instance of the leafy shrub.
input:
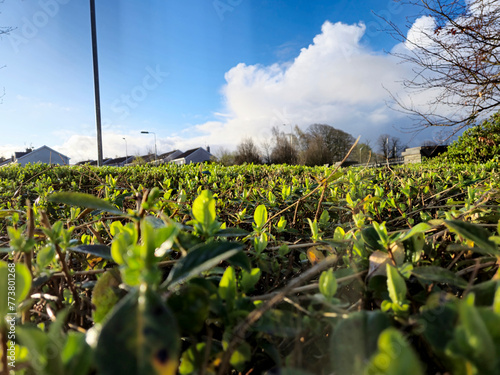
(478, 144)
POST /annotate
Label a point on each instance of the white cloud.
(417, 36)
(335, 80)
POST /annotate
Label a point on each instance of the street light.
(126, 151)
(96, 83)
(145, 132)
(360, 153)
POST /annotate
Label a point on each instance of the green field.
(205, 269)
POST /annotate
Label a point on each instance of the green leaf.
(394, 357)
(204, 209)
(7, 213)
(474, 233)
(438, 320)
(199, 259)
(232, 232)
(313, 225)
(473, 339)
(249, 279)
(496, 301)
(372, 239)
(45, 256)
(328, 284)
(260, 216)
(192, 359)
(227, 285)
(105, 294)
(139, 337)
(241, 260)
(433, 274)
(101, 251)
(44, 352)
(15, 280)
(83, 200)
(354, 341)
(240, 356)
(191, 306)
(419, 228)
(76, 354)
(395, 285)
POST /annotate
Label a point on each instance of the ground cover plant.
(204, 269)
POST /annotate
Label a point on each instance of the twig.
(473, 276)
(475, 267)
(306, 288)
(31, 230)
(46, 223)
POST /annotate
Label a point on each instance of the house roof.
(19, 154)
(115, 160)
(189, 152)
(167, 154)
(38, 150)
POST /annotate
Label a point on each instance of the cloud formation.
(336, 80)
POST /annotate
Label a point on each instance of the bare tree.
(390, 147)
(362, 153)
(247, 152)
(224, 156)
(266, 147)
(455, 56)
(285, 150)
(323, 144)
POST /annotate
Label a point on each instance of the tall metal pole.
(96, 83)
(146, 132)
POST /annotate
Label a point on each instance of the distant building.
(118, 162)
(169, 156)
(196, 155)
(415, 154)
(43, 154)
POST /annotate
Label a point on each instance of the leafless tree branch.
(456, 57)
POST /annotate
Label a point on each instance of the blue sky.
(195, 72)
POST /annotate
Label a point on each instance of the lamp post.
(145, 132)
(96, 83)
(360, 153)
(126, 151)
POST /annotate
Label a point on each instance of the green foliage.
(171, 269)
(394, 356)
(478, 144)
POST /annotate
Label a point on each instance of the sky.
(197, 73)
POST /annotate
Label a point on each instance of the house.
(195, 155)
(118, 162)
(43, 154)
(415, 154)
(169, 156)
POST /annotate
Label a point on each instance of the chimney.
(208, 149)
